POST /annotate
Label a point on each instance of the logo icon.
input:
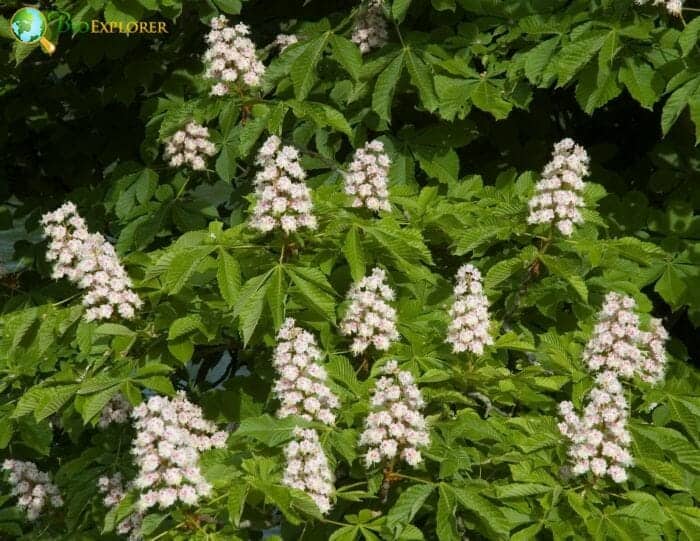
(29, 26)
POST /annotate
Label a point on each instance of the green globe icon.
(28, 25)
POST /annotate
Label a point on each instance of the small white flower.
(367, 178)
(674, 7)
(469, 315)
(308, 470)
(370, 30)
(33, 488)
(285, 40)
(117, 410)
(189, 146)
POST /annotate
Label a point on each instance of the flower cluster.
(674, 7)
(370, 318)
(469, 314)
(231, 57)
(301, 387)
(558, 194)
(190, 146)
(619, 345)
(88, 260)
(283, 199)
(396, 426)
(114, 492)
(599, 438)
(171, 434)
(117, 410)
(33, 488)
(285, 40)
(618, 349)
(307, 468)
(367, 177)
(370, 30)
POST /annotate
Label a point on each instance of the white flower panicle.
(117, 410)
(231, 57)
(307, 468)
(370, 319)
(558, 194)
(283, 198)
(599, 439)
(89, 261)
(33, 488)
(674, 7)
(301, 387)
(619, 345)
(368, 176)
(396, 427)
(469, 314)
(171, 434)
(285, 40)
(618, 349)
(370, 30)
(114, 491)
(190, 146)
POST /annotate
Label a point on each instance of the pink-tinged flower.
(469, 328)
(308, 470)
(285, 40)
(189, 146)
(557, 198)
(367, 178)
(396, 425)
(231, 58)
(33, 488)
(117, 410)
(89, 261)
(674, 7)
(370, 30)
(369, 318)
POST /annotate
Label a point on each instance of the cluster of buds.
(558, 194)
(171, 434)
(370, 30)
(618, 343)
(117, 410)
(231, 57)
(396, 427)
(114, 491)
(33, 488)
(469, 314)
(370, 319)
(674, 7)
(88, 260)
(368, 177)
(618, 349)
(190, 146)
(282, 197)
(285, 40)
(307, 468)
(301, 387)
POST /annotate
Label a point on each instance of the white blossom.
(370, 30)
(370, 319)
(231, 57)
(674, 7)
(557, 198)
(367, 177)
(396, 427)
(117, 410)
(189, 146)
(170, 435)
(469, 315)
(307, 468)
(89, 261)
(33, 488)
(301, 386)
(285, 40)
(114, 492)
(283, 200)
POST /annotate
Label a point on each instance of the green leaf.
(318, 300)
(453, 95)
(641, 81)
(488, 97)
(347, 54)
(422, 79)
(492, 518)
(232, 7)
(303, 70)
(597, 86)
(539, 58)
(354, 254)
(399, 8)
(446, 524)
(276, 296)
(501, 271)
(408, 504)
(52, 399)
(250, 304)
(677, 102)
(185, 325)
(443, 166)
(268, 430)
(384, 88)
(95, 403)
(236, 501)
(689, 36)
(228, 277)
(576, 55)
(183, 266)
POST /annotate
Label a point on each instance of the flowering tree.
(382, 270)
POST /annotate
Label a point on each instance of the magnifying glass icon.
(29, 26)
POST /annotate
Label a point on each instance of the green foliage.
(468, 97)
